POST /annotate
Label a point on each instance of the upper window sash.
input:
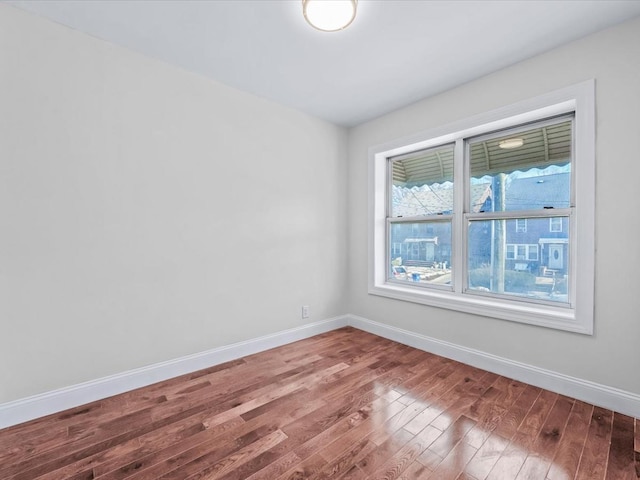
(420, 183)
(544, 143)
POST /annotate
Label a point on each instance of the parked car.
(399, 272)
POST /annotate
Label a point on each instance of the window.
(555, 224)
(522, 252)
(472, 205)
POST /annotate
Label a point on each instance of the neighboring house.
(533, 245)
(423, 244)
(538, 245)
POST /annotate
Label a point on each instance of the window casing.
(441, 228)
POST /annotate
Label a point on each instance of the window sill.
(541, 315)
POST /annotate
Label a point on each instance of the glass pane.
(511, 252)
(533, 264)
(422, 183)
(555, 224)
(523, 171)
(421, 253)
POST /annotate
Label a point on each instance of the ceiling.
(395, 52)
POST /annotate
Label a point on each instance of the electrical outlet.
(305, 311)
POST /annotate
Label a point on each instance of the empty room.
(319, 239)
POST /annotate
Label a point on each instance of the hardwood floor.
(342, 405)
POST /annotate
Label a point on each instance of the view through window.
(517, 190)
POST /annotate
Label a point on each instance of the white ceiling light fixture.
(511, 143)
(329, 15)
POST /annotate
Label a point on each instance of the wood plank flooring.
(342, 405)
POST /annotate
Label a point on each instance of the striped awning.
(541, 147)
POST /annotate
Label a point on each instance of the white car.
(399, 272)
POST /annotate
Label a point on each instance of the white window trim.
(551, 225)
(528, 249)
(523, 228)
(579, 98)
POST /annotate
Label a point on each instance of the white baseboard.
(36, 406)
(602, 395)
(29, 408)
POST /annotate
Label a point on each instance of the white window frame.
(521, 228)
(551, 224)
(578, 315)
(529, 248)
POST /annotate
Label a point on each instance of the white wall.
(612, 355)
(147, 213)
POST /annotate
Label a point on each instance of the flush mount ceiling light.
(329, 15)
(511, 143)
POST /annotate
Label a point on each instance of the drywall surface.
(611, 356)
(148, 213)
